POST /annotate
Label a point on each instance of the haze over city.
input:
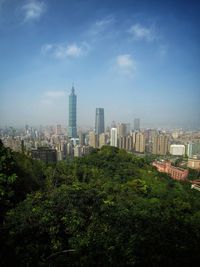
(132, 58)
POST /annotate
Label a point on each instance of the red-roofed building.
(174, 172)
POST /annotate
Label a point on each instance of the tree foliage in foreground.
(109, 208)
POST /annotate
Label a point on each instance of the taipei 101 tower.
(72, 130)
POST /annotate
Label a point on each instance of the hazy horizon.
(135, 59)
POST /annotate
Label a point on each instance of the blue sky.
(133, 58)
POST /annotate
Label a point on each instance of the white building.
(177, 150)
(113, 137)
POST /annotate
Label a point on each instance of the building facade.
(194, 164)
(122, 129)
(160, 144)
(140, 142)
(113, 137)
(72, 129)
(93, 139)
(193, 149)
(99, 121)
(177, 150)
(103, 138)
(174, 172)
(45, 154)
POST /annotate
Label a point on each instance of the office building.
(136, 124)
(72, 130)
(99, 121)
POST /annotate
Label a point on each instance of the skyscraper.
(93, 139)
(72, 130)
(136, 124)
(122, 129)
(160, 144)
(99, 121)
(140, 142)
(113, 137)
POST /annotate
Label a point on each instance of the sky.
(134, 58)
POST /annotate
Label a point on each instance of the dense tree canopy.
(109, 208)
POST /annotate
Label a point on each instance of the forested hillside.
(109, 208)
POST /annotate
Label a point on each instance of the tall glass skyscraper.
(72, 130)
(99, 121)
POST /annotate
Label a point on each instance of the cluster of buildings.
(57, 143)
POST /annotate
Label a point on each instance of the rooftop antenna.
(73, 87)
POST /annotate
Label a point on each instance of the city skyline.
(134, 59)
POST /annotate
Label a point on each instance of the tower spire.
(73, 90)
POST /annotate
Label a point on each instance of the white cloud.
(49, 98)
(126, 64)
(101, 25)
(33, 10)
(124, 61)
(54, 94)
(139, 32)
(73, 50)
(62, 51)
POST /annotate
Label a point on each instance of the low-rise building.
(194, 164)
(45, 154)
(177, 150)
(174, 172)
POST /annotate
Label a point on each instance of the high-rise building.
(93, 139)
(99, 121)
(136, 124)
(77, 151)
(160, 144)
(122, 142)
(102, 140)
(129, 143)
(72, 130)
(113, 137)
(81, 136)
(122, 129)
(140, 142)
(193, 149)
